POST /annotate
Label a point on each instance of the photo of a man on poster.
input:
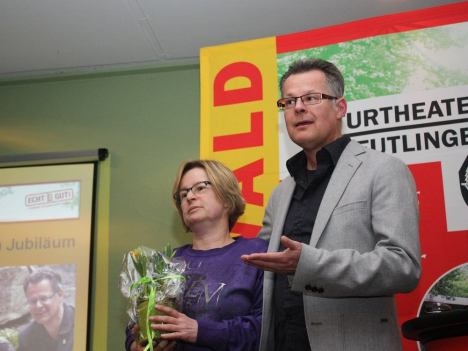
(47, 314)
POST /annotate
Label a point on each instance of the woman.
(222, 302)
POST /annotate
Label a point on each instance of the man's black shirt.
(310, 187)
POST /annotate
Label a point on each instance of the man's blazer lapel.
(342, 175)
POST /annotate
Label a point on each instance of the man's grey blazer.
(364, 248)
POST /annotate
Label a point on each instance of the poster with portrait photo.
(46, 220)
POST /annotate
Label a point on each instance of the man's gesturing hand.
(283, 262)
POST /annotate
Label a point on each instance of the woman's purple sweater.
(224, 295)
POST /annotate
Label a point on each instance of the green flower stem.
(149, 292)
(149, 310)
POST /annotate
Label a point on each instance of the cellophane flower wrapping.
(151, 277)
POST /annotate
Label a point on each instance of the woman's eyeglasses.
(196, 189)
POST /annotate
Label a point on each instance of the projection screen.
(46, 223)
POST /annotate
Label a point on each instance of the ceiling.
(40, 38)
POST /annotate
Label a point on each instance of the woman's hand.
(162, 345)
(174, 325)
(135, 346)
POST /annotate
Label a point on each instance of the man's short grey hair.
(333, 75)
(44, 274)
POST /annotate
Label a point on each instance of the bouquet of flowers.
(150, 277)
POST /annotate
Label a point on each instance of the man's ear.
(342, 107)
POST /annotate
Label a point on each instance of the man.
(343, 229)
(53, 320)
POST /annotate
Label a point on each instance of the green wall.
(149, 122)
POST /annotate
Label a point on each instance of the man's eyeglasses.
(196, 189)
(42, 299)
(307, 99)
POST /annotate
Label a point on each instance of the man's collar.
(333, 150)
